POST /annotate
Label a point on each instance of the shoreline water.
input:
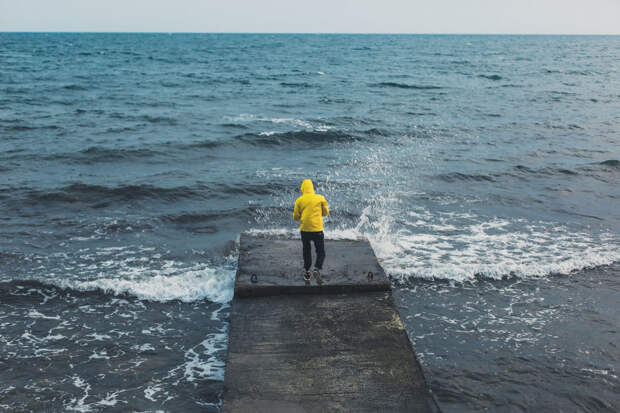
(482, 169)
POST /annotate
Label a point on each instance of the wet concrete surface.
(275, 266)
(326, 351)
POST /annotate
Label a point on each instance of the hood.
(307, 187)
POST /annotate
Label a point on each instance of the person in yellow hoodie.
(310, 208)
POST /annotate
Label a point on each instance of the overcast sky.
(314, 16)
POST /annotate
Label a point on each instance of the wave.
(129, 116)
(247, 189)
(21, 128)
(191, 218)
(98, 196)
(169, 84)
(85, 193)
(208, 144)
(312, 136)
(490, 77)
(466, 247)
(301, 85)
(16, 90)
(121, 130)
(570, 126)
(566, 171)
(144, 272)
(376, 132)
(404, 86)
(89, 156)
(611, 163)
(596, 170)
(159, 119)
(75, 87)
(201, 223)
(327, 100)
(248, 117)
(192, 284)
(198, 218)
(101, 154)
(457, 176)
(233, 125)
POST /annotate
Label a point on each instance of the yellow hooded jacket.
(310, 208)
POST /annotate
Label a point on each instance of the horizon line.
(310, 33)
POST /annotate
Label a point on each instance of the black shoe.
(317, 276)
(307, 277)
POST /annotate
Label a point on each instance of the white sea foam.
(275, 232)
(419, 244)
(216, 314)
(99, 337)
(173, 282)
(110, 400)
(29, 337)
(289, 233)
(80, 405)
(600, 372)
(101, 355)
(491, 247)
(247, 117)
(35, 314)
(48, 352)
(76, 404)
(461, 247)
(151, 391)
(143, 348)
(201, 362)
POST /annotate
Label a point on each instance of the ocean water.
(484, 170)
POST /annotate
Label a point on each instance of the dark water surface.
(484, 170)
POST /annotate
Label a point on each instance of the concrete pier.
(335, 347)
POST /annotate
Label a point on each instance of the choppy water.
(484, 170)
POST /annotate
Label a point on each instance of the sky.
(314, 16)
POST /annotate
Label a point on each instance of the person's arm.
(324, 207)
(296, 211)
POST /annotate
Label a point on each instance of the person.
(310, 208)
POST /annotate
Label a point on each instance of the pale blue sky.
(312, 16)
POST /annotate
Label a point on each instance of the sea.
(484, 170)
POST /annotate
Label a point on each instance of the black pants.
(319, 245)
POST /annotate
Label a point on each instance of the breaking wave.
(146, 277)
(194, 284)
(466, 247)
